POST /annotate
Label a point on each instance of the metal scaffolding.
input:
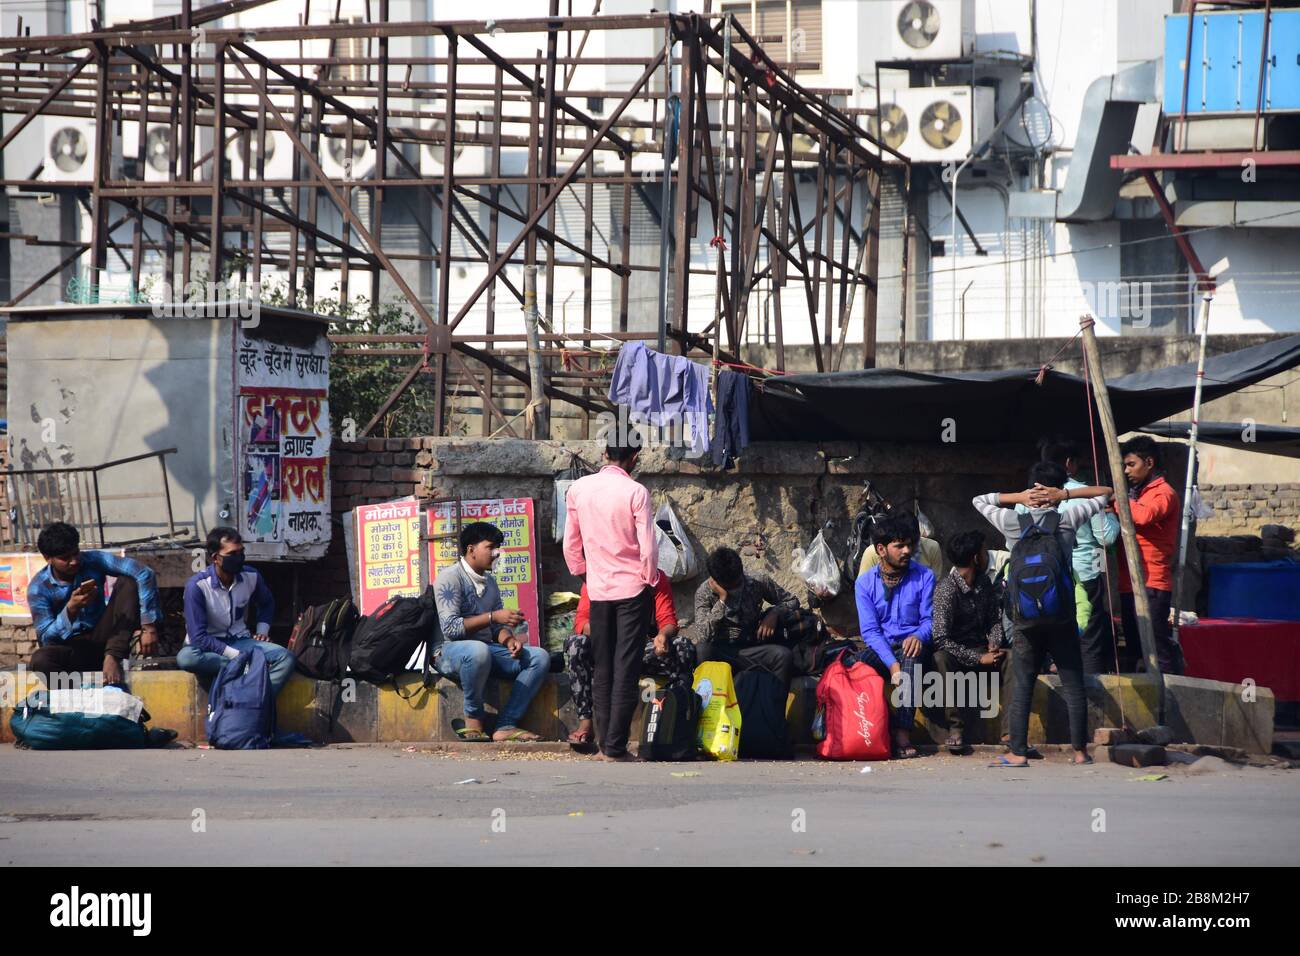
(735, 131)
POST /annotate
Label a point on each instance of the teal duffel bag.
(87, 719)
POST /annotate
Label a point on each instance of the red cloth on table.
(1231, 649)
(665, 613)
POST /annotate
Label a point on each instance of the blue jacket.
(908, 612)
(214, 614)
(48, 597)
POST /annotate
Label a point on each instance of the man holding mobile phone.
(77, 629)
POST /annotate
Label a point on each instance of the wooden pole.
(537, 416)
(1128, 532)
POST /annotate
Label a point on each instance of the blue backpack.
(241, 704)
(1040, 591)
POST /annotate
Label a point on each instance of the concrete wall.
(778, 498)
(1274, 401)
(84, 391)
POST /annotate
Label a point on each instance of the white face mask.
(493, 555)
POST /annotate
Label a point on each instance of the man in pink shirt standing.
(609, 542)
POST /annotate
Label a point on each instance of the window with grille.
(798, 24)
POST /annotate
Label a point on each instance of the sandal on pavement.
(1002, 762)
(516, 736)
(468, 734)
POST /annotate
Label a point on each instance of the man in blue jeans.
(478, 640)
(216, 603)
(896, 614)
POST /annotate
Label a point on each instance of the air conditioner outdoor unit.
(469, 159)
(931, 29)
(69, 154)
(157, 152)
(335, 159)
(278, 163)
(934, 124)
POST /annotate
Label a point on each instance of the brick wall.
(16, 644)
(1243, 509)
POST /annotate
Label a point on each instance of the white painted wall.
(1032, 282)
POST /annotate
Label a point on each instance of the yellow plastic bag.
(719, 710)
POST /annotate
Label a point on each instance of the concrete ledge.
(1199, 711)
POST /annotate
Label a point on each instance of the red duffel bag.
(852, 713)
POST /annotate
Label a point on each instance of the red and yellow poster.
(515, 570)
(388, 552)
(16, 572)
(284, 440)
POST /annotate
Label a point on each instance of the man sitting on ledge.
(77, 630)
(478, 641)
(968, 636)
(896, 611)
(216, 600)
(745, 619)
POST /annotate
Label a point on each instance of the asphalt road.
(386, 805)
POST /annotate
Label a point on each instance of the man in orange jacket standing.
(1156, 516)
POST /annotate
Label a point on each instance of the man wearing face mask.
(478, 638)
(216, 603)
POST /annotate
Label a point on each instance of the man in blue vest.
(216, 603)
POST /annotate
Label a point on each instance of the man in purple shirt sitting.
(895, 609)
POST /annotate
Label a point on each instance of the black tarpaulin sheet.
(1265, 439)
(1000, 406)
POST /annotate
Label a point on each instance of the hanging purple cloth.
(664, 388)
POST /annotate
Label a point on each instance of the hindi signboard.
(388, 551)
(283, 425)
(515, 570)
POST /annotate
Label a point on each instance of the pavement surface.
(412, 806)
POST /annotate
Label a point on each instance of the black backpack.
(1040, 591)
(321, 640)
(873, 509)
(671, 730)
(763, 731)
(384, 641)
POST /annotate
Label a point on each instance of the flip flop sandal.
(1003, 762)
(956, 745)
(906, 753)
(518, 737)
(467, 735)
(583, 741)
(1083, 763)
